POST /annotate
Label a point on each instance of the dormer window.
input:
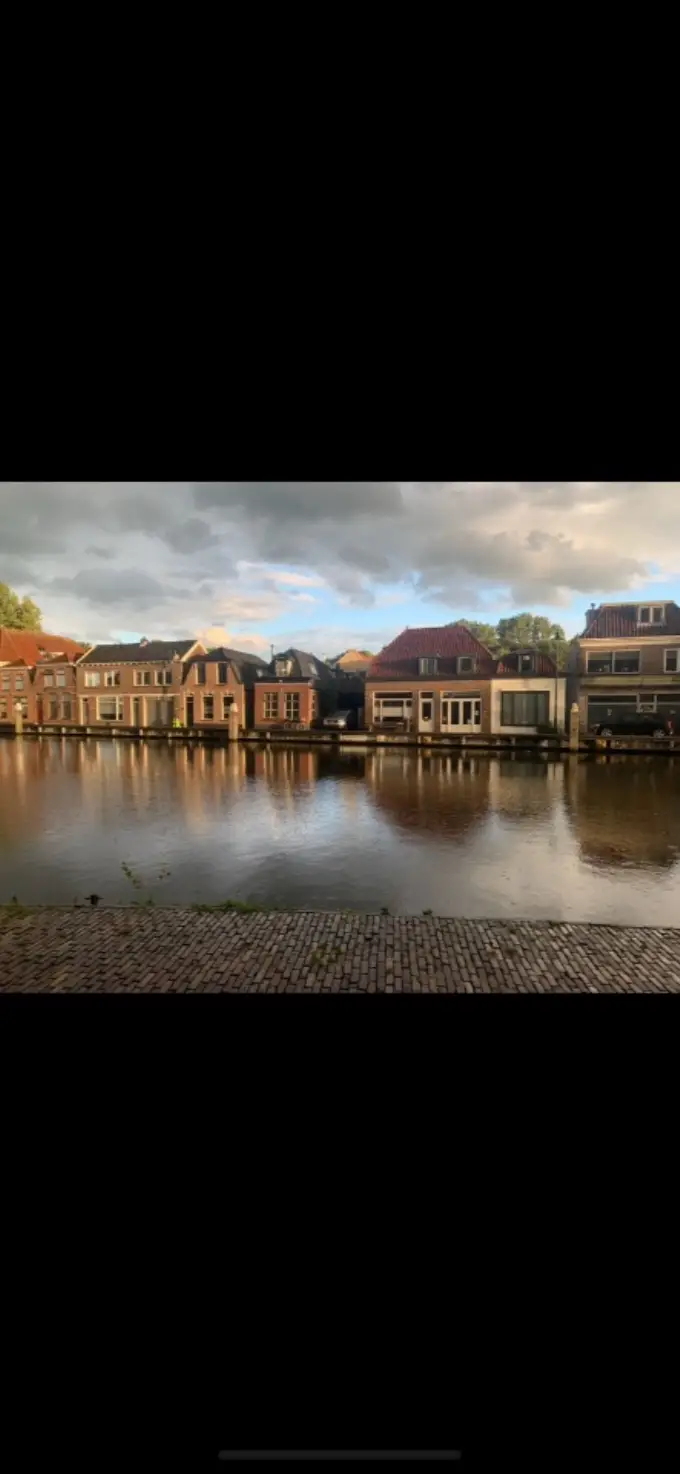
(283, 667)
(466, 665)
(652, 614)
(427, 665)
(525, 664)
(312, 669)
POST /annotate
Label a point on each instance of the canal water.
(577, 839)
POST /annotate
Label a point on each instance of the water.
(586, 840)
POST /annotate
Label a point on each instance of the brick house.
(38, 670)
(431, 680)
(217, 680)
(527, 694)
(295, 692)
(134, 685)
(627, 660)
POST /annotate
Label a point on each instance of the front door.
(426, 713)
(136, 712)
(461, 714)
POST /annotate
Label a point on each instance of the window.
(110, 708)
(626, 662)
(54, 708)
(599, 664)
(427, 665)
(271, 705)
(312, 669)
(525, 708)
(5, 683)
(163, 677)
(651, 614)
(390, 709)
(525, 663)
(315, 703)
(111, 677)
(292, 701)
(222, 673)
(66, 709)
(18, 683)
(200, 675)
(3, 711)
(283, 667)
(142, 677)
(61, 678)
(48, 678)
(208, 708)
(466, 665)
(672, 662)
(93, 678)
(227, 703)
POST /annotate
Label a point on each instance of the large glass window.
(525, 708)
(599, 662)
(626, 662)
(110, 708)
(271, 705)
(292, 700)
(392, 708)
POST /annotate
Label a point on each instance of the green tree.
(487, 633)
(16, 613)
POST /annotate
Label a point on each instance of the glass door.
(461, 714)
(427, 713)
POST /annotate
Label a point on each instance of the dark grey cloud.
(127, 586)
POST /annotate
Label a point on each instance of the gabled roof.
(26, 646)
(309, 666)
(620, 621)
(400, 658)
(138, 652)
(244, 661)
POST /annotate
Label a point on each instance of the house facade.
(295, 693)
(431, 680)
(133, 685)
(219, 682)
(528, 694)
(38, 676)
(626, 661)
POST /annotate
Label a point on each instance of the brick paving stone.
(173, 949)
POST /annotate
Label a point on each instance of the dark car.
(341, 720)
(639, 724)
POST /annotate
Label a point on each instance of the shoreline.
(234, 948)
(557, 747)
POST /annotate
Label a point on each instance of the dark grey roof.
(127, 653)
(245, 663)
(304, 660)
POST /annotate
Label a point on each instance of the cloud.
(217, 634)
(198, 554)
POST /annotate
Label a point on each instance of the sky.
(326, 565)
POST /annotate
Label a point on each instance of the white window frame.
(404, 703)
(93, 678)
(112, 680)
(61, 678)
(289, 699)
(471, 668)
(428, 665)
(208, 696)
(653, 609)
(675, 669)
(141, 678)
(271, 699)
(18, 683)
(120, 708)
(48, 679)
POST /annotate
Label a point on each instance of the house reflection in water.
(625, 812)
(444, 795)
(526, 791)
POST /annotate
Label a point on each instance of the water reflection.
(627, 815)
(470, 836)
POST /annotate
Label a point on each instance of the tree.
(487, 633)
(16, 613)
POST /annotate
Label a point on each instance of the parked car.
(341, 719)
(639, 724)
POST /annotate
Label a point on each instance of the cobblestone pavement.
(167, 949)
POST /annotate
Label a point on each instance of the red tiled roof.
(620, 622)
(400, 658)
(24, 646)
